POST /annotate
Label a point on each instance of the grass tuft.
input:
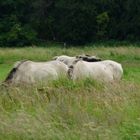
(67, 110)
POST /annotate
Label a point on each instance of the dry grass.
(70, 111)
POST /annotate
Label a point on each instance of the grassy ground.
(63, 110)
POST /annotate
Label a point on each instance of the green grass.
(64, 110)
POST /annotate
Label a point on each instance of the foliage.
(102, 21)
(74, 22)
(14, 23)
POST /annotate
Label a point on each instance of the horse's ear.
(54, 58)
(76, 60)
(80, 56)
(87, 55)
(77, 56)
(71, 67)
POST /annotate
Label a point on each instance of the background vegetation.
(24, 22)
(63, 110)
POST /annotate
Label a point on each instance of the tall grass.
(68, 110)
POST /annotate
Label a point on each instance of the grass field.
(63, 110)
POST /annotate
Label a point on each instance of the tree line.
(24, 22)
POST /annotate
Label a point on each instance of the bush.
(16, 34)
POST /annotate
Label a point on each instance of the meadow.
(66, 110)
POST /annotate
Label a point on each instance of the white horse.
(105, 71)
(68, 60)
(31, 72)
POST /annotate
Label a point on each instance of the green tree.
(102, 22)
(14, 23)
(75, 21)
(22, 22)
